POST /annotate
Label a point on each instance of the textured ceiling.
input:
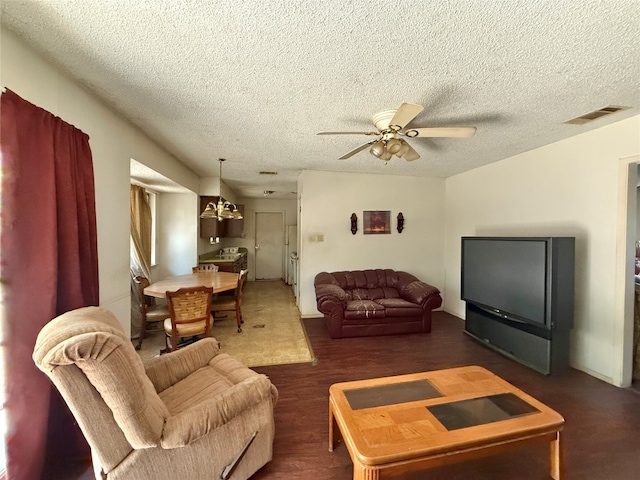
(254, 81)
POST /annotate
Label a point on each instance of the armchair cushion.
(200, 418)
(167, 370)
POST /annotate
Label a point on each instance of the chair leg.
(172, 343)
(143, 331)
(239, 318)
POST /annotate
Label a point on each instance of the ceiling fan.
(390, 125)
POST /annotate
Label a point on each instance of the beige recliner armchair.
(191, 414)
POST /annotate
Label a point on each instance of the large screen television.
(519, 278)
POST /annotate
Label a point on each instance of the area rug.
(272, 333)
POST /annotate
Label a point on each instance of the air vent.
(597, 114)
(268, 173)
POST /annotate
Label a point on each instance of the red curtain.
(49, 266)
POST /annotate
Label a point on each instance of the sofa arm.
(425, 295)
(330, 297)
(331, 300)
(169, 369)
(203, 418)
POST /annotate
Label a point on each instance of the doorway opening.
(628, 233)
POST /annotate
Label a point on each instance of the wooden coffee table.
(412, 422)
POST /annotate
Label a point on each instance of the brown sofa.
(375, 302)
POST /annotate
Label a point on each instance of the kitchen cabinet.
(228, 262)
(235, 267)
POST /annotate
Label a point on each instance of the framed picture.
(376, 221)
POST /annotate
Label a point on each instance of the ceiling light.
(223, 210)
(404, 148)
(393, 146)
(388, 146)
(386, 156)
(377, 149)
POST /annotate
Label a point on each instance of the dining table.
(220, 281)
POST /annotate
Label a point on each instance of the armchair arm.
(425, 295)
(167, 370)
(198, 421)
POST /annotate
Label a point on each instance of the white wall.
(211, 186)
(113, 140)
(327, 201)
(566, 188)
(178, 230)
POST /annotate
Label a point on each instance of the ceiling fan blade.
(347, 133)
(441, 132)
(359, 149)
(411, 155)
(406, 113)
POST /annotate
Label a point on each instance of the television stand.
(544, 350)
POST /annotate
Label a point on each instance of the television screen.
(507, 275)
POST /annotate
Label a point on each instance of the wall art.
(376, 221)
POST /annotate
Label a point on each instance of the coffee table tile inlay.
(380, 395)
(397, 437)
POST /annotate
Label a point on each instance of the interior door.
(269, 245)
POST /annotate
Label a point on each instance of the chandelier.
(223, 210)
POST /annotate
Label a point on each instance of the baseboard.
(595, 374)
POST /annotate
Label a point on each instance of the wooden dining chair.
(150, 312)
(231, 303)
(204, 267)
(189, 316)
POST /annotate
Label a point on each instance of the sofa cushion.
(397, 303)
(398, 307)
(363, 309)
(358, 294)
(371, 293)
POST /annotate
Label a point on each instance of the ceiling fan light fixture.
(404, 148)
(377, 149)
(391, 125)
(393, 146)
(386, 156)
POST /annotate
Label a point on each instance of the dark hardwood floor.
(601, 438)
